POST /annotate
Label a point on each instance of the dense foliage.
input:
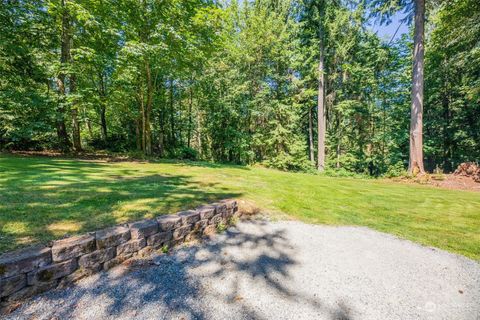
(235, 81)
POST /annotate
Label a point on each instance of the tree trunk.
(321, 121)
(140, 119)
(103, 107)
(138, 132)
(103, 121)
(90, 129)
(172, 111)
(416, 118)
(190, 121)
(310, 135)
(65, 45)
(198, 134)
(148, 110)
(339, 141)
(77, 144)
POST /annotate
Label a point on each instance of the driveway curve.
(278, 270)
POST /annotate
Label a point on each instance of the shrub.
(396, 170)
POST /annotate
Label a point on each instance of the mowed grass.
(45, 198)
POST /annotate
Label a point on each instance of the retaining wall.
(29, 271)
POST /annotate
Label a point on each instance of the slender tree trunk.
(416, 119)
(321, 121)
(65, 44)
(190, 121)
(148, 110)
(103, 108)
(138, 132)
(199, 134)
(89, 127)
(172, 111)
(140, 119)
(310, 135)
(103, 121)
(339, 141)
(77, 144)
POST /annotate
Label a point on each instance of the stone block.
(192, 236)
(91, 260)
(206, 212)
(143, 229)
(131, 246)
(169, 222)
(200, 225)
(189, 216)
(231, 206)
(210, 230)
(217, 219)
(160, 238)
(146, 251)
(72, 247)
(112, 237)
(32, 290)
(220, 208)
(116, 261)
(79, 274)
(24, 260)
(12, 284)
(52, 272)
(181, 232)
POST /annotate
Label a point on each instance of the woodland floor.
(44, 198)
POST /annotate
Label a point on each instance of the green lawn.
(45, 198)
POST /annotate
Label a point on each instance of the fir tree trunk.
(310, 135)
(416, 119)
(321, 121)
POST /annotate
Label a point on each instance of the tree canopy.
(238, 81)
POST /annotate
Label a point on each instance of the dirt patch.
(452, 181)
(445, 181)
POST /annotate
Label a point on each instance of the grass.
(45, 198)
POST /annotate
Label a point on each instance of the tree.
(312, 13)
(385, 9)
(415, 164)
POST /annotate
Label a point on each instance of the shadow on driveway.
(206, 281)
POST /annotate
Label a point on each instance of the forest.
(290, 84)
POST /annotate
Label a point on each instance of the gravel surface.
(278, 270)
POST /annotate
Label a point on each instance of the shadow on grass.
(221, 279)
(44, 199)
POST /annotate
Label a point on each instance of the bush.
(343, 173)
(396, 170)
(113, 143)
(187, 153)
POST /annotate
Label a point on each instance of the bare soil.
(445, 181)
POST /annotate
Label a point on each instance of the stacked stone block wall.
(29, 271)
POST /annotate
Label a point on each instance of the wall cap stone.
(24, 260)
(112, 236)
(72, 247)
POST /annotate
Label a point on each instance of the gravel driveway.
(278, 270)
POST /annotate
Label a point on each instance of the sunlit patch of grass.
(64, 227)
(15, 227)
(43, 198)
